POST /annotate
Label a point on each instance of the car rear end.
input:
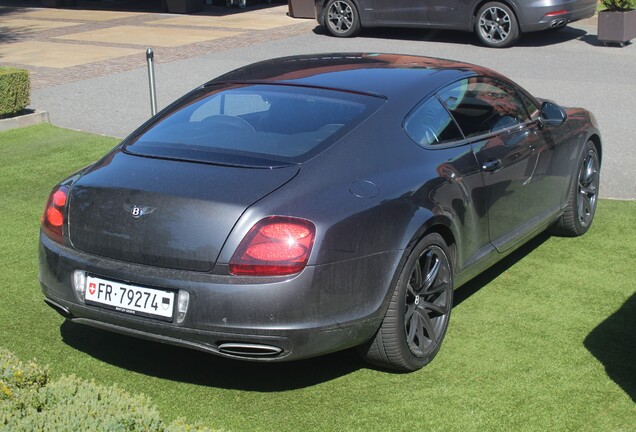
(265, 318)
(546, 14)
(162, 238)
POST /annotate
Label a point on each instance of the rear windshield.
(253, 125)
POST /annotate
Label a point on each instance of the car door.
(512, 153)
(452, 14)
(399, 12)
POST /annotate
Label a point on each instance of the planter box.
(27, 118)
(185, 6)
(302, 9)
(618, 27)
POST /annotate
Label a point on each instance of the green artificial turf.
(544, 341)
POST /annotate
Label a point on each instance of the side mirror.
(552, 114)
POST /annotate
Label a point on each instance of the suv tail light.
(556, 13)
(53, 217)
(275, 246)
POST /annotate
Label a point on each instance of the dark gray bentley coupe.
(308, 204)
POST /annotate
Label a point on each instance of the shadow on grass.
(194, 367)
(613, 343)
(464, 292)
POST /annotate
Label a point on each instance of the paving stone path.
(65, 45)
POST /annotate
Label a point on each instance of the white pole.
(151, 81)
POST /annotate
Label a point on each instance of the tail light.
(275, 246)
(53, 217)
(556, 13)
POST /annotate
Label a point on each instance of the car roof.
(387, 75)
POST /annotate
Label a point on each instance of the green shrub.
(69, 404)
(619, 5)
(15, 90)
(30, 402)
(15, 374)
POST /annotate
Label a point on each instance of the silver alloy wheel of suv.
(342, 18)
(496, 25)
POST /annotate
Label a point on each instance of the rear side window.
(483, 105)
(253, 125)
(430, 124)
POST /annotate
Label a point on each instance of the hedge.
(619, 5)
(30, 401)
(15, 90)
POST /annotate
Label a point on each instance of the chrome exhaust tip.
(558, 23)
(249, 350)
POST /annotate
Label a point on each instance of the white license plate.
(131, 299)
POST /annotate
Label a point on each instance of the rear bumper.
(321, 310)
(533, 15)
(278, 345)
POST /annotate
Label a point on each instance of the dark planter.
(617, 26)
(185, 6)
(302, 9)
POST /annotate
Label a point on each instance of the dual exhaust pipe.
(558, 23)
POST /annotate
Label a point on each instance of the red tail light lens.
(275, 246)
(53, 218)
(556, 13)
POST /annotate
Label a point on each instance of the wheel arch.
(596, 140)
(441, 225)
(449, 238)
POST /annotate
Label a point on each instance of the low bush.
(619, 5)
(15, 90)
(30, 401)
(15, 375)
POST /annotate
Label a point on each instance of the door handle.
(491, 165)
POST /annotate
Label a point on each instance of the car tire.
(582, 197)
(342, 18)
(415, 323)
(496, 25)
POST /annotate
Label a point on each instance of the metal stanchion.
(151, 81)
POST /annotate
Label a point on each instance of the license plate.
(130, 299)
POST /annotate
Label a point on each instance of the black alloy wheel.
(587, 189)
(342, 19)
(582, 199)
(496, 25)
(417, 318)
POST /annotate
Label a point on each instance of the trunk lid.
(161, 212)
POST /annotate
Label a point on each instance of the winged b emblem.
(137, 211)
